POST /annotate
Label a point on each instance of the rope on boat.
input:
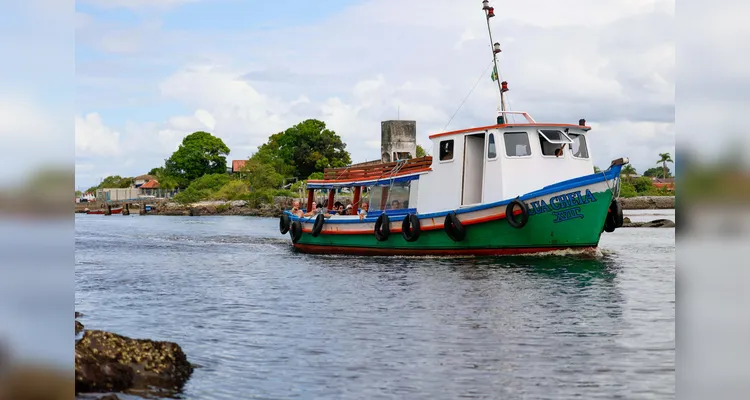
(464, 101)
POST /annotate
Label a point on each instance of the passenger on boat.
(311, 210)
(363, 212)
(348, 210)
(295, 209)
(395, 205)
(559, 152)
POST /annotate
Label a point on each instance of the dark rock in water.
(78, 315)
(107, 362)
(657, 223)
(79, 327)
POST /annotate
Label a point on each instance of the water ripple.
(266, 322)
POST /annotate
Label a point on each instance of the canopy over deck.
(359, 175)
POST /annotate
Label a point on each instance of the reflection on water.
(265, 321)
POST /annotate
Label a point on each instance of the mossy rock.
(107, 362)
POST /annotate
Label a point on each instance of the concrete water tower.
(398, 140)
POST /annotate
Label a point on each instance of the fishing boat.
(117, 210)
(504, 189)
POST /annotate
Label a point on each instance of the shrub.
(643, 185)
(202, 188)
(214, 182)
(231, 191)
(285, 193)
(627, 190)
(257, 198)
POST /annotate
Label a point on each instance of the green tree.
(199, 154)
(306, 147)
(316, 176)
(656, 172)
(261, 176)
(78, 193)
(166, 181)
(116, 182)
(628, 171)
(420, 151)
(664, 158)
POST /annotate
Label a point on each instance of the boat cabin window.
(517, 144)
(491, 149)
(446, 150)
(390, 197)
(552, 140)
(578, 147)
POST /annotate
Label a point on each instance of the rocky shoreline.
(243, 208)
(107, 363)
(648, 203)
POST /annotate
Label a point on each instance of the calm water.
(265, 322)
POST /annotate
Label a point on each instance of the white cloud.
(138, 4)
(95, 139)
(609, 62)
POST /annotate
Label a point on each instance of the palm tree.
(664, 158)
(628, 171)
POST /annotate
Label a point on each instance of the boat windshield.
(391, 197)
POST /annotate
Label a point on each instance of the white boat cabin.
(475, 166)
(489, 164)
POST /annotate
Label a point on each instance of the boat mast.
(502, 86)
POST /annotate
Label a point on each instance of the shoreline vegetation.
(266, 183)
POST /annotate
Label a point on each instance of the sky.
(149, 72)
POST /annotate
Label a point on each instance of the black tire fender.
(295, 231)
(453, 227)
(284, 223)
(410, 228)
(382, 228)
(616, 210)
(516, 223)
(318, 226)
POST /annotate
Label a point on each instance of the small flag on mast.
(494, 73)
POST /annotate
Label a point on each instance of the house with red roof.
(237, 166)
(150, 188)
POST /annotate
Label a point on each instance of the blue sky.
(150, 72)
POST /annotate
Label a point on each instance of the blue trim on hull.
(399, 215)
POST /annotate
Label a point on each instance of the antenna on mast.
(502, 86)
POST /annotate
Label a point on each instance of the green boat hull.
(572, 222)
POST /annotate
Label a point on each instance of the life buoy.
(454, 228)
(284, 224)
(295, 231)
(382, 228)
(511, 217)
(318, 226)
(410, 228)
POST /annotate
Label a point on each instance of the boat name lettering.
(568, 214)
(557, 204)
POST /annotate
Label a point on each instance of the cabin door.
(473, 177)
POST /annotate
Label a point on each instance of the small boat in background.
(117, 210)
